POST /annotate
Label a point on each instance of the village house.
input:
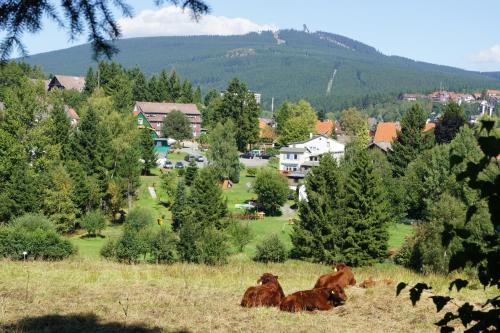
(72, 115)
(387, 132)
(155, 114)
(300, 157)
(67, 83)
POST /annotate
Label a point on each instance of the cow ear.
(276, 276)
(334, 269)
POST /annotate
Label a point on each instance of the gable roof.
(325, 127)
(429, 126)
(71, 113)
(70, 82)
(154, 107)
(386, 132)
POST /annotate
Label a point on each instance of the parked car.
(179, 165)
(190, 158)
(168, 165)
(200, 159)
(247, 155)
(265, 156)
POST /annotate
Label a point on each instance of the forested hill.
(289, 64)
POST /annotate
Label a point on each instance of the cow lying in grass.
(268, 293)
(342, 276)
(315, 299)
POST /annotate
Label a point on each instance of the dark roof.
(70, 82)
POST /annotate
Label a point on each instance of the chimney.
(310, 135)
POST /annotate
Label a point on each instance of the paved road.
(253, 162)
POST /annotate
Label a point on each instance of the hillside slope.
(290, 64)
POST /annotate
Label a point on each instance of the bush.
(251, 172)
(271, 249)
(93, 222)
(241, 234)
(36, 235)
(212, 247)
(163, 247)
(138, 219)
(272, 191)
(108, 251)
(130, 247)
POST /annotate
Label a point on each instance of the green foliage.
(411, 140)
(169, 183)
(35, 235)
(177, 126)
(271, 249)
(179, 206)
(148, 154)
(251, 172)
(241, 234)
(223, 154)
(211, 247)
(138, 219)
(272, 191)
(191, 172)
(93, 222)
(296, 121)
(355, 125)
(453, 118)
(129, 247)
(164, 246)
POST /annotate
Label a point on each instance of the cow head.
(337, 295)
(267, 278)
(340, 266)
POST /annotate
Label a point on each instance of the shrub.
(130, 247)
(241, 234)
(138, 219)
(272, 191)
(212, 247)
(36, 235)
(93, 222)
(163, 247)
(271, 249)
(108, 251)
(251, 172)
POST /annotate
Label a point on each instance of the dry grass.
(195, 298)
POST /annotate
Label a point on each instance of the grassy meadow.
(89, 294)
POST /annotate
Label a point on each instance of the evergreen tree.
(121, 90)
(367, 215)
(186, 93)
(177, 126)
(223, 154)
(207, 202)
(197, 99)
(140, 90)
(154, 91)
(90, 82)
(317, 234)
(164, 88)
(148, 154)
(191, 172)
(174, 86)
(453, 118)
(239, 105)
(210, 96)
(179, 207)
(61, 128)
(411, 140)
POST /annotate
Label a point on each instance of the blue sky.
(457, 33)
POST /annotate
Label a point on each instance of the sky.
(457, 33)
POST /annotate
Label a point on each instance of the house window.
(140, 121)
(158, 125)
(295, 157)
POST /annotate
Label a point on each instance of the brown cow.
(368, 283)
(342, 276)
(315, 299)
(269, 293)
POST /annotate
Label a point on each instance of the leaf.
(416, 292)
(465, 313)
(440, 301)
(459, 284)
(449, 316)
(400, 287)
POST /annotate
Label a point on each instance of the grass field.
(89, 295)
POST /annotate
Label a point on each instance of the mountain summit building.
(155, 114)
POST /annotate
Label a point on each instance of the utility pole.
(272, 105)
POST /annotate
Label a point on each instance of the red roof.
(324, 127)
(428, 127)
(386, 132)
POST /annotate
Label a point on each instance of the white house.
(301, 156)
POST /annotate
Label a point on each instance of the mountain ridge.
(287, 64)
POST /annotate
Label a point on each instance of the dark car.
(200, 159)
(265, 156)
(190, 158)
(179, 165)
(168, 165)
(247, 155)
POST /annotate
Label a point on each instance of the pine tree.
(163, 87)
(61, 128)
(186, 93)
(207, 202)
(174, 86)
(179, 207)
(367, 214)
(90, 82)
(317, 234)
(453, 118)
(191, 172)
(155, 93)
(223, 154)
(147, 153)
(411, 140)
(197, 99)
(140, 89)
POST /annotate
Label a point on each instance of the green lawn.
(176, 156)
(90, 247)
(397, 234)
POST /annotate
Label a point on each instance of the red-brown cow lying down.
(342, 277)
(269, 293)
(314, 299)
